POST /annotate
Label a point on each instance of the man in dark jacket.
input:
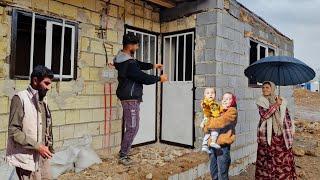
(130, 89)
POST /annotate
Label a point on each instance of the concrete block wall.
(78, 106)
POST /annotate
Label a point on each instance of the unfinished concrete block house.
(200, 42)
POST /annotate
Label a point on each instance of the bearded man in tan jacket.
(30, 141)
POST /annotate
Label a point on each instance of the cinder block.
(85, 73)
(95, 74)
(94, 128)
(95, 18)
(113, 10)
(121, 14)
(117, 138)
(76, 3)
(4, 119)
(70, 11)
(83, 15)
(138, 21)
(97, 46)
(58, 118)
(98, 115)
(129, 7)
(56, 133)
(116, 126)
(1, 10)
(199, 81)
(138, 10)
(3, 140)
(86, 115)
(87, 58)
(147, 24)
(72, 116)
(155, 16)
(206, 18)
(85, 44)
(4, 29)
(40, 4)
(156, 27)
(90, 4)
(67, 131)
(95, 101)
(22, 2)
(205, 68)
(112, 36)
(97, 142)
(100, 60)
(4, 104)
(147, 13)
(100, 5)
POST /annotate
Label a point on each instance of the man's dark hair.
(130, 39)
(41, 72)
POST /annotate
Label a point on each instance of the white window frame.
(267, 47)
(170, 74)
(135, 32)
(48, 59)
(48, 44)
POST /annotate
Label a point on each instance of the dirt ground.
(160, 161)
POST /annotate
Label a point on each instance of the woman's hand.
(279, 100)
(226, 138)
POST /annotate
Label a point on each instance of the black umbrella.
(282, 70)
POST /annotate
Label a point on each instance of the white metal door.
(146, 53)
(177, 126)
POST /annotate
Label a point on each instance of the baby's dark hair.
(130, 38)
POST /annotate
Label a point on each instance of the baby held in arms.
(210, 109)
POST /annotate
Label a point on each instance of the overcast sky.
(298, 19)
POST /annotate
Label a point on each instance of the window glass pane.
(173, 59)
(166, 57)
(39, 42)
(253, 58)
(262, 52)
(271, 52)
(189, 57)
(23, 44)
(153, 52)
(253, 52)
(56, 48)
(139, 51)
(67, 51)
(146, 44)
(180, 58)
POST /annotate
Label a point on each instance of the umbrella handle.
(278, 90)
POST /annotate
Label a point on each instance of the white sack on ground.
(75, 153)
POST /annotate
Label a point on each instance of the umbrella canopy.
(282, 70)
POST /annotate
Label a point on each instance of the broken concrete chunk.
(298, 151)
(149, 176)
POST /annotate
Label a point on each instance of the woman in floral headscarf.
(275, 159)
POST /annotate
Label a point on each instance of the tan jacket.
(23, 156)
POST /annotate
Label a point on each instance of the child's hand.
(204, 123)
